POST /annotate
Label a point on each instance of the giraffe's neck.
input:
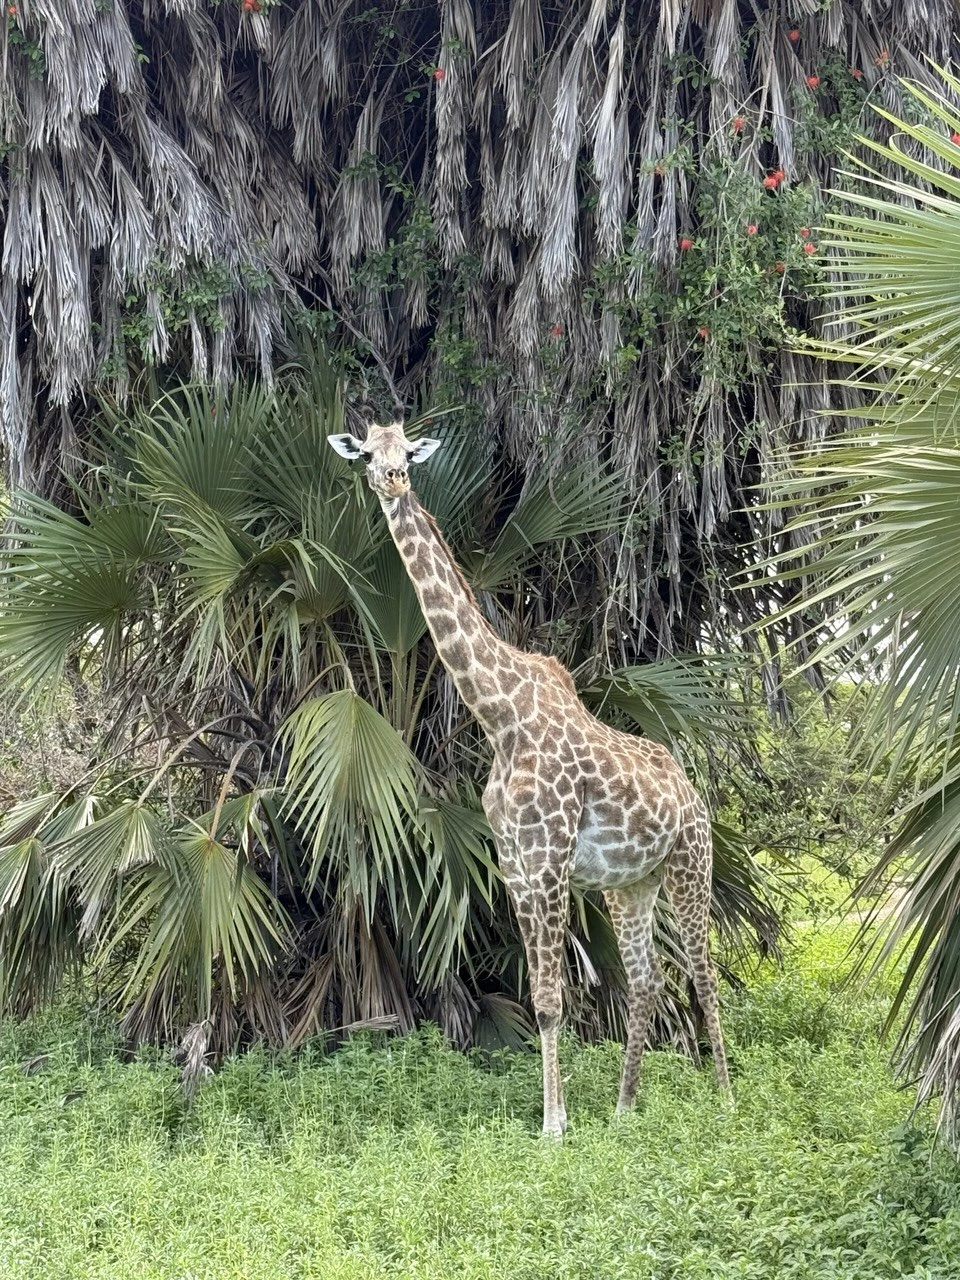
(468, 646)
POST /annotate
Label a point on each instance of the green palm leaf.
(390, 602)
(198, 912)
(873, 530)
(674, 700)
(192, 452)
(351, 780)
(458, 878)
(95, 857)
(579, 501)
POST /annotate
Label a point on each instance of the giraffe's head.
(387, 453)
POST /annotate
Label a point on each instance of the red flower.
(12, 10)
(804, 231)
(809, 247)
(955, 138)
(882, 58)
(856, 73)
(251, 6)
(738, 123)
(780, 268)
(686, 243)
(793, 35)
(556, 331)
(779, 175)
(439, 74)
(752, 228)
(703, 331)
(813, 81)
(771, 182)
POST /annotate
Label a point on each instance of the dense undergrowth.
(406, 1159)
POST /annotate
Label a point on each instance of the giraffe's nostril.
(391, 475)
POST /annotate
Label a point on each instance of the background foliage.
(874, 527)
(278, 829)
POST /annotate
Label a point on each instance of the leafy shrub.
(406, 1159)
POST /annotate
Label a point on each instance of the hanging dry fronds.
(492, 199)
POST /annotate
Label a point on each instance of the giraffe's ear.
(347, 446)
(422, 450)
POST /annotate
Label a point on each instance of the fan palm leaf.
(873, 538)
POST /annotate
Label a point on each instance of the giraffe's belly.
(604, 860)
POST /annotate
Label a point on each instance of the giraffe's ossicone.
(569, 799)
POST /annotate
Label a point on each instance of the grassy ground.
(411, 1161)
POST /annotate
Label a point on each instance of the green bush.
(403, 1158)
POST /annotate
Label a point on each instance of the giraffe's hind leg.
(687, 878)
(631, 911)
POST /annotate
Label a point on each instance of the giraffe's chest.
(617, 850)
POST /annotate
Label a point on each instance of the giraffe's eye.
(366, 457)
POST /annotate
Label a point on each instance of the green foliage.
(170, 301)
(809, 802)
(873, 536)
(744, 257)
(409, 1160)
(31, 50)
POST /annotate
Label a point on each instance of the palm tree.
(280, 832)
(486, 203)
(875, 539)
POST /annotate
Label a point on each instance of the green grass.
(408, 1160)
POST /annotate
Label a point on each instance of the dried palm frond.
(489, 197)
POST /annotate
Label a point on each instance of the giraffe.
(570, 801)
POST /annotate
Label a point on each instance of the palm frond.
(348, 765)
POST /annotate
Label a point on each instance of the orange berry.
(686, 243)
(793, 35)
(813, 81)
(439, 74)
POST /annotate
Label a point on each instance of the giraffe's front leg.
(541, 899)
(536, 820)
